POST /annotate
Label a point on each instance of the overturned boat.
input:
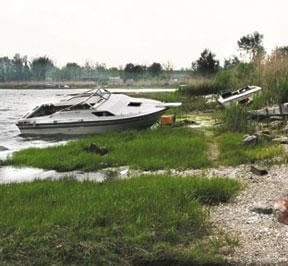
(92, 112)
(240, 96)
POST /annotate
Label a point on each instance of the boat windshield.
(49, 109)
(44, 109)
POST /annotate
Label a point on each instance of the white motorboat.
(94, 111)
(242, 95)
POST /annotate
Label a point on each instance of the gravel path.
(263, 240)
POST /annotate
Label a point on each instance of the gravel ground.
(263, 240)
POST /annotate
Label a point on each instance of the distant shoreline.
(79, 85)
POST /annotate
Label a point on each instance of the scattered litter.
(167, 119)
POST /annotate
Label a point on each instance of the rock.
(281, 140)
(262, 210)
(266, 137)
(266, 132)
(281, 210)
(275, 118)
(285, 129)
(97, 149)
(188, 122)
(252, 139)
(2, 148)
(276, 124)
(258, 171)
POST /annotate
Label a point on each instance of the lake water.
(15, 104)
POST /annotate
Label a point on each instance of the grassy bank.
(148, 219)
(163, 148)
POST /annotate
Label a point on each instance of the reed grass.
(147, 219)
(164, 148)
(235, 118)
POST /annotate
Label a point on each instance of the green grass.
(138, 221)
(163, 148)
(233, 153)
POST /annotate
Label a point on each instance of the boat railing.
(101, 92)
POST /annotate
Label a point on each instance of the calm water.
(16, 103)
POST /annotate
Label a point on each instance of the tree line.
(19, 68)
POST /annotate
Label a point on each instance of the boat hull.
(90, 127)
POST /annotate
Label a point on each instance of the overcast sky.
(116, 32)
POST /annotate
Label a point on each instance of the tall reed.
(235, 118)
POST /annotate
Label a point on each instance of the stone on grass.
(252, 139)
(97, 149)
(281, 210)
(281, 140)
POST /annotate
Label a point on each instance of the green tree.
(71, 71)
(206, 64)
(132, 71)
(40, 66)
(155, 69)
(6, 69)
(252, 44)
